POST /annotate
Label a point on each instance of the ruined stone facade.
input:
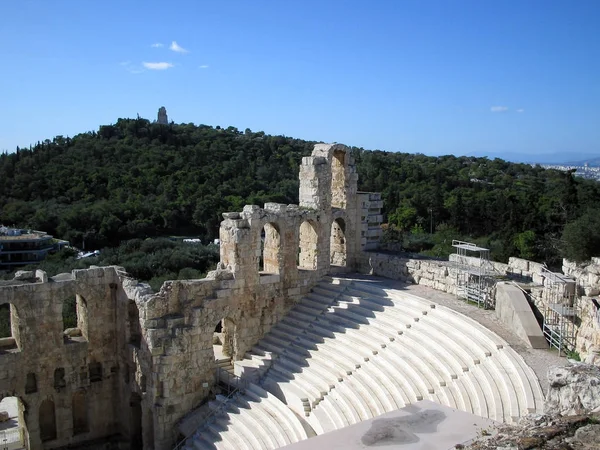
(138, 361)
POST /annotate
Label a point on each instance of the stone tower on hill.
(162, 116)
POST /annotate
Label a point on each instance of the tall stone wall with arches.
(138, 361)
(67, 380)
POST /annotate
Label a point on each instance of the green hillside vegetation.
(136, 179)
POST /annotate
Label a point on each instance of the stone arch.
(16, 421)
(79, 409)
(338, 255)
(10, 339)
(95, 371)
(338, 179)
(59, 379)
(31, 383)
(224, 339)
(308, 245)
(47, 421)
(75, 318)
(82, 315)
(271, 254)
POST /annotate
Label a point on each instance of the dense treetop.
(137, 179)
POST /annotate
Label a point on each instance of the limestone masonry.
(138, 361)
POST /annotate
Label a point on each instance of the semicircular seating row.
(352, 350)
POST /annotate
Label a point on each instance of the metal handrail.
(240, 385)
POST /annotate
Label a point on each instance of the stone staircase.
(352, 350)
(225, 363)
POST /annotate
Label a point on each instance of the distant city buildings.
(585, 171)
(22, 247)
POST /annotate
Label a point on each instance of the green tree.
(581, 237)
(525, 243)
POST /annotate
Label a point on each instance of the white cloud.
(157, 65)
(497, 109)
(520, 110)
(177, 48)
(203, 66)
(157, 45)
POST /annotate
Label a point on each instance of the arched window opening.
(59, 378)
(308, 246)
(338, 243)
(95, 369)
(135, 424)
(47, 421)
(13, 430)
(9, 328)
(135, 330)
(75, 319)
(224, 343)
(338, 179)
(31, 383)
(79, 409)
(270, 259)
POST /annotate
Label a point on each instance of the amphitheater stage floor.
(424, 425)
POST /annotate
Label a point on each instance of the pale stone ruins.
(315, 349)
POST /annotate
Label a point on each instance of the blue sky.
(436, 77)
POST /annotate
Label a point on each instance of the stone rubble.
(571, 420)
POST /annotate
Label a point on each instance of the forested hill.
(140, 179)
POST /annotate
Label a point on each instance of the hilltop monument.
(162, 116)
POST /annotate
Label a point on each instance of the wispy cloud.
(499, 109)
(131, 68)
(520, 110)
(177, 48)
(157, 45)
(157, 65)
(203, 66)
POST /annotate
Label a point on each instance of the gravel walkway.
(538, 360)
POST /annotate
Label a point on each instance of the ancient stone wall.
(68, 382)
(138, 361)
(588, 280)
